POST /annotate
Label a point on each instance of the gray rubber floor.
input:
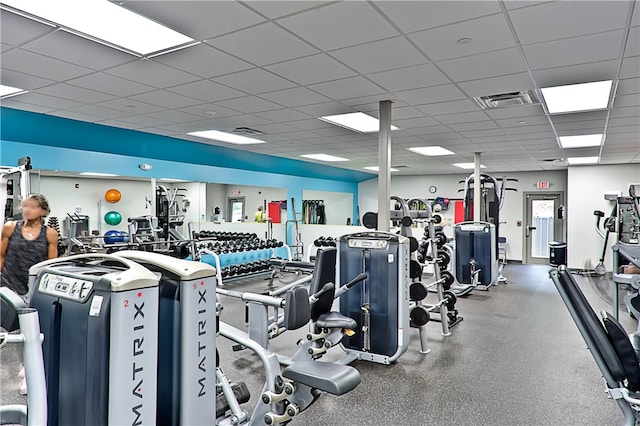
(516, 359)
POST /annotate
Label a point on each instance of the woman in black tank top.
(25, 243)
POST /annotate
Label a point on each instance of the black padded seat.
(324, 272)
(627, 354)
(10, 302)
(335, 320)
(335, 379)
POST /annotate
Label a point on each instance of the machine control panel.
(368, 244)
(67, 287)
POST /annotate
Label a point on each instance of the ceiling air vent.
(246, 131)
(399, 167)
(504, 100)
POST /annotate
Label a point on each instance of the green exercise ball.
(113, 218)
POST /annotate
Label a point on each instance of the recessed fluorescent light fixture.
(172, 180)
(573, 161)
(324, 157)
(225, 137)
(8, 91)
(105, 22)
(581, 141)
(98, 174)
(376, 168)
(431, 151)
(357, 121)
(467, 165)
(577, 97)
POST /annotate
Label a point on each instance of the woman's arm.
(52, 243)
(7, 231)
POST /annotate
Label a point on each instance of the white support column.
(384, 166)
(477, 196)
(153, 196)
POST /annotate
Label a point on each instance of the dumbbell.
(233, 270)
(441, 239)
(413, 244)
(225, 272)
(319, 242)
(417, 291)
(443, 259)
(451, 300)
(447, 279)
(415, 269)
(418, 316)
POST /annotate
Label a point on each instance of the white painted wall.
(254, 196)
(216, 197)
(587, 186)
(338, 205)
(64, 197)
(447, 186)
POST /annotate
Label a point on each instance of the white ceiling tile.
(402, 113)
(372, 103)
(97, 111)
(22, 80)
(539, 128)
(486, 34)
(626, 100)
(633, 42)
(428, 95)
(130, 105)
(380, 55)
(311, 69)
(450, 107)
(496, 85)
(166, 99)
(268, 44)
(41, 66)
(477, 125)
(502, 62)
(197, 19)
(203, 61)
(418, 15)
(598, 71)
(579, 116)
(332, 27)
(516, 112)
(206, 90)
(209, 110)
(622, 129)
(310, 124)
(632, 111)
(15, 103)
(328, 108)
(462, 117)
(122, 124)
(517, 4)
(46, 101)
(152, 73)
(297, 96)
(410, 123)
(76, 116)
(578, 50)
(277, 9)
(255, 81)
(628, 86)
(75, 93)
(110, 84)
(301, 134)
(549, 21)
(630, 67)
(174, 116)
(283, 115)
(16, 30)
(77, 50)
(581, 127)
(346, 88)
(431, 130)
(249, 104)
(144, 120)
(625, 121)
(483, 133)
(409, 78)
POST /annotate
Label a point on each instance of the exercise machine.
(15, 186)
(171, 206)
(476, 261)
(17, 317)
(99, 314)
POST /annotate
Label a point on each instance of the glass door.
(544, 223)
(236, 209)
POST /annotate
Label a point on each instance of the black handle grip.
(362, 276)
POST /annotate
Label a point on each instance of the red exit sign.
(543, 184)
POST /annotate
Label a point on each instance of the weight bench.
(335, 379)
(608, 343)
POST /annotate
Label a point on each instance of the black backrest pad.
(10, 302)
(590, 327)
(627, 354)
(324, 272)
(296, 310)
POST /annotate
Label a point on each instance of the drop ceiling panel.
(431, 130)
(23, 81)
(122, 124)
(579, 116)
(409, 78)
(332, 27)
(485, 34)
(76, 116)
(263, 45)
(297, 96)
(166, 99)
(203, 61)
(462, 117)
(581, 127)
(174, 116)
(530, 129)
(626, 100)
(633, 42)
(625, 121)
(200, 20)
(496, 85)
(110, 84)
(41, 66)
(277, 9)
(207, 91)
(429, 95)
(622, 129)
(450, 107)
(483, 133)
(249, 104)
(502, 62)
(46, 101)
(328, 108)
(630, 67)
(16, 30)
(152, 73)
(477, 125)
(632, 111)
(410, 123)
(13, 103)
(210, 110)
(579, 50)
(130, 105)
(628, 86)
(71, 48)
(380, 55)
(413, 15)
(404, 112)
(283, 115)
(550, 21)
(346, 88)
(75, 93)
(605, 70)
(100, 112)
(517, 122)
(309, 124)
(312, 69)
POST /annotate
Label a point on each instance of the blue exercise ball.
(113, 237)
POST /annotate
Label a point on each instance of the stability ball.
(113, 218)
(112, 195)
(113, 237)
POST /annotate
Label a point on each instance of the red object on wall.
(458, 213)
(274, 211)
